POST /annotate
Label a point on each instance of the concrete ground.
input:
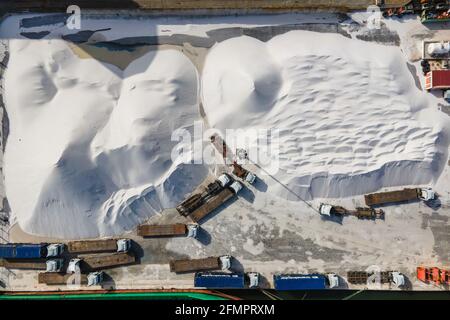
(271, 235)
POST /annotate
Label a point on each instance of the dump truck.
(217, 196)
(168, 230)
(359, 212)
(204, 264)
(434, 274)
(55, 278)
(362, 277)
(425, 194)
(103, 245)
(218, 192)
(30, 250)
(219, 280)
(243, 173)
(196, 201)
(96, 262)
(313, 281)
(24, 264)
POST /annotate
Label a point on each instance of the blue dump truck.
(219, 280)
(304, 281)
(30, 250)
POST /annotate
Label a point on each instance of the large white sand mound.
(89, 149)
(350, 117)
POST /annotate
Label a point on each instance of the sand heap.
(89, 149)
(350, 117)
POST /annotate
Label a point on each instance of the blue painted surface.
(22, 251)
(219, 280)
(7, 251)
(30, 251)
(299, 281)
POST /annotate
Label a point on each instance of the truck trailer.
(98, 262)
(204, 264)
(24, 264)
(313, 281)
(30, 250)
(359, 212)
(384, 277)
(425, 194)
(56, 278)
(168, 230)
(219, 280)
(103, 245)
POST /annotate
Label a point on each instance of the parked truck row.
(51, 258)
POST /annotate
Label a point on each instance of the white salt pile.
(89, 149)
(349, 115)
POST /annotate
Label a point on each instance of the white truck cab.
(192, 230)
(55, 249)
(54, 265)
(95, 278)
(333, 280)
(398, 279)
(250, 177)
(325, 209)
(224, 180)
(123, 245)
(74, 266)
(427, 194)
(253, 279)
(236, 186)
(225, 262)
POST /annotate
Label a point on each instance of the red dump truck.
(168, 230)
(204, 264)
(425, 194)
(103, 245)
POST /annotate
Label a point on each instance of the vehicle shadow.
(108, 282)
(247, 194)
(218, 210)
(203, 236)
(260, 185)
